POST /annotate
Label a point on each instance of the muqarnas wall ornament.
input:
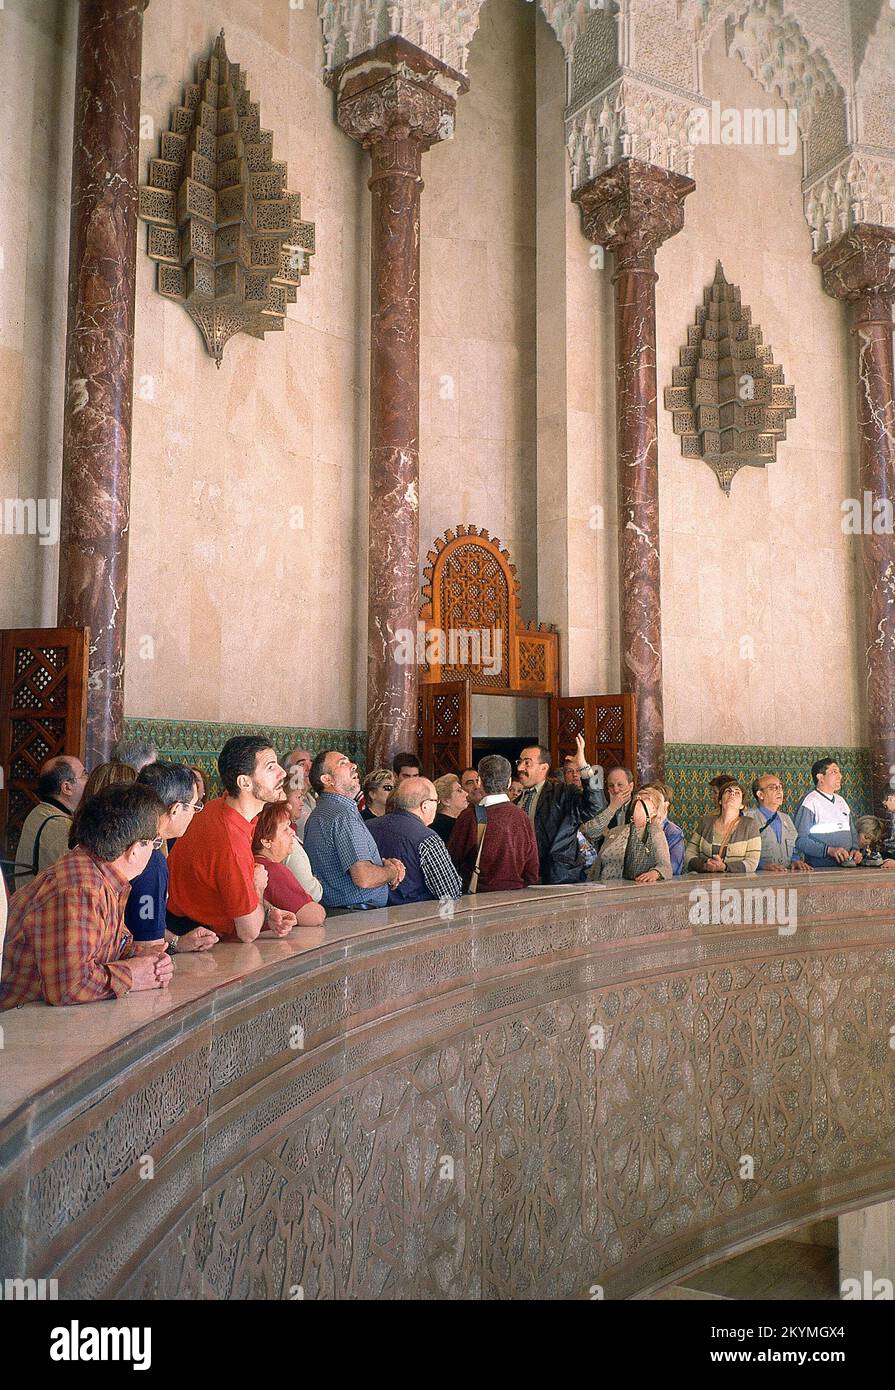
(728, 398)
(228, 238)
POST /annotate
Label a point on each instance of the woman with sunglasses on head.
(638, 851)
(378, 786)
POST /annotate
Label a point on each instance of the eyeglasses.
(156, 843)
(196, 805)
(426, 799)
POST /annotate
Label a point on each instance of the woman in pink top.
(272, 842)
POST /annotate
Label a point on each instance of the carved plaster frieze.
(632, 119)
(824, 23)
(859, 189)
(442, 28)
(772, 46)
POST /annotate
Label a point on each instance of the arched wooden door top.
(471, 622)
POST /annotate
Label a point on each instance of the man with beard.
(213, 878)
(343, 853)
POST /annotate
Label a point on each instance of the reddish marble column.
(859, 267)
(396, 101)
(96, 455)
(631, 209)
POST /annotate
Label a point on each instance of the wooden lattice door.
(445, 728)
(43, 711)
(607, 722)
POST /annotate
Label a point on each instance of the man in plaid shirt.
(66, 941)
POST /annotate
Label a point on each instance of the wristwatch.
(172, 948)
(586, 771)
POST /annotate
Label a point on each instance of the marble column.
(859, 268)
(96, 456)
(396, 101)
(631, 209)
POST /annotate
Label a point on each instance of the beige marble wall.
(754, 649)
(235, 612)
(248, 539)
(577, 526)
(477, 357)
(37, 80)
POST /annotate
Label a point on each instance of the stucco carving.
(596, 57)
(861, 188)
(777, 54)
(632, 119)
(442, 28)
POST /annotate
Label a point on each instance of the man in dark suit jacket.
(558, 809)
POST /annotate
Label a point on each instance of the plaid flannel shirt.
(66, 941)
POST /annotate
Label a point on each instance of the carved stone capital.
(860, 265)
(632, 209)
(397, 93)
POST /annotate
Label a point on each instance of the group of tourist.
(118, 872)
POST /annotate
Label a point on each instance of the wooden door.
(445, 727)
(43, 711)
(607, 722)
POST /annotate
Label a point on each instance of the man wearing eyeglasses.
(405, 833)
(67, 941)
(778, 831)
(145, 913)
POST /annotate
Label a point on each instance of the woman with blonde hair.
(636, 851)
(452, 801)
(378, 785)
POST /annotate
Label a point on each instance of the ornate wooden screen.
(445, 727)
(607, 722)
(43, 711)
(471, 623)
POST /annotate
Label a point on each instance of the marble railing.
(568, 1093)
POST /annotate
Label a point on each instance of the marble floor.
(803, 1266)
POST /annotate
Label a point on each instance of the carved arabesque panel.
(728, 398)
(226, 234)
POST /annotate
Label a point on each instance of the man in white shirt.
(827, 834)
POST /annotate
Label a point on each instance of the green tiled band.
(198, 744)
(689, 767)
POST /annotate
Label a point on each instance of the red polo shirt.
(210, 869)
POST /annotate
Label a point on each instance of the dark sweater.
(509, 852)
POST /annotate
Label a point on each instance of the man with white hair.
(135, 753)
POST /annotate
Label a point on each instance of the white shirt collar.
(494, 798)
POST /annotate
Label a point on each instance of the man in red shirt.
(67, 942)
(509, 851)
(213, 878)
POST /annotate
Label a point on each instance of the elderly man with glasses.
(405, 833)
(778, 831)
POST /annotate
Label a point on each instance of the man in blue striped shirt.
(343, 853)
